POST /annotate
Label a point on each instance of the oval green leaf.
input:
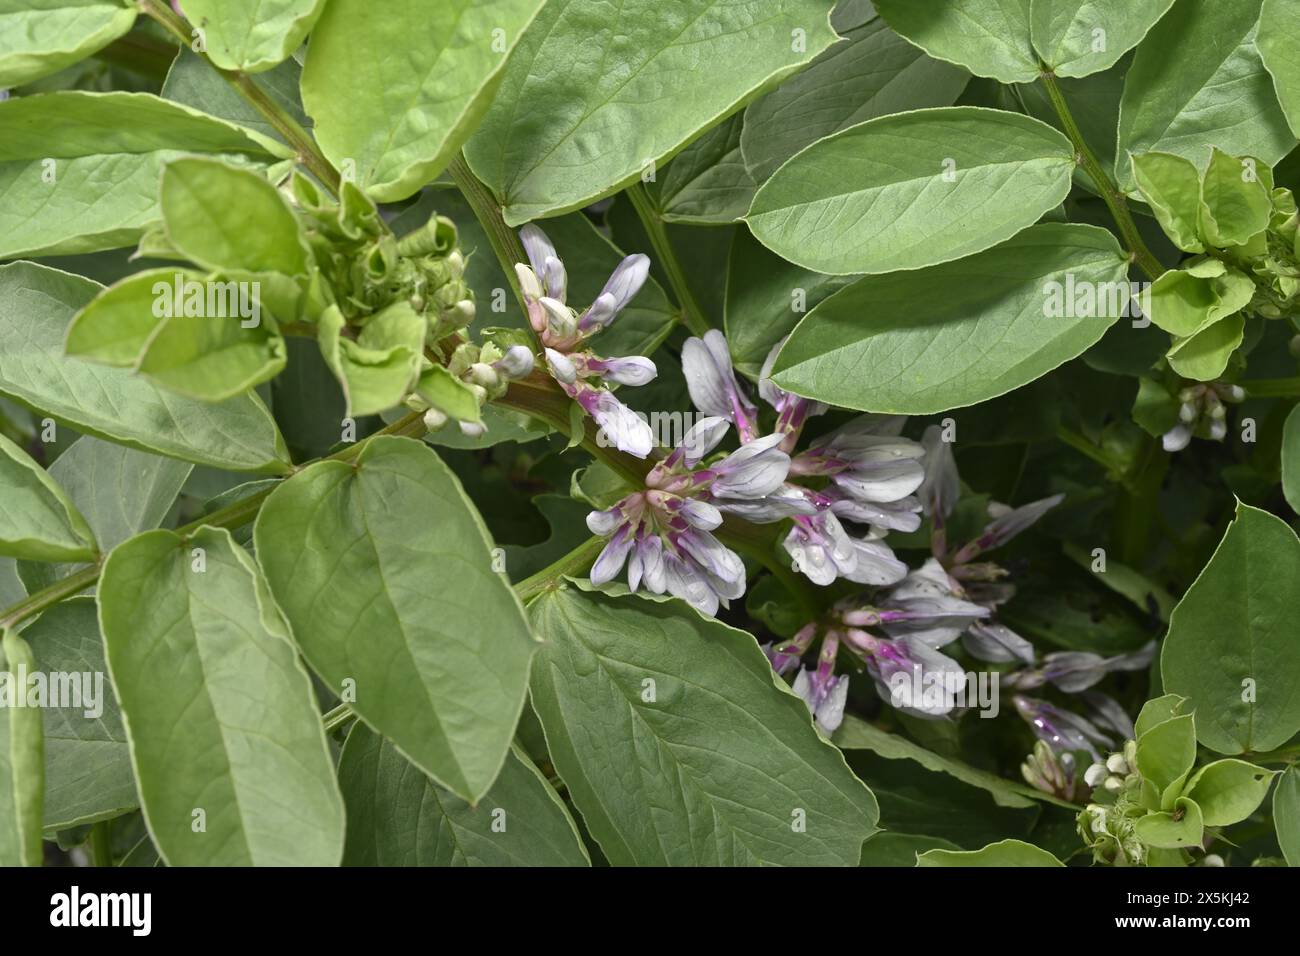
(225, 732)
(1081, 37)
(252, 35)
(678, 745)
(914, 343)
(37, 520)
(558, 138)
(988, 37)
(79, 171)
(383, 569)
(40, 37)
(912, 190)
(399, 120)
(1240, 613)
(397, 816)
(36, 305)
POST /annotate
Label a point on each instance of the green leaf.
(856, 734)
(900, 849)
(380, 366)
(87, 759)
(1165, 755)
(193, 82)
(116, 325)
(399, 120)
(1279, 25)
(37, 520)
(1240, 613)
(214, 357)
(1079, 37)
(1291, 459)
(1228, 791)
(1183, 302)
(1286, 814)
(22, 761)
(1157, 711)
(956, 334)
(766, 297)
(1171, 185)
(988, 37)
(707, 183)
(223, 218)
(1236, 200)
(557, 139)
(912, 189)
(1183, 827)
(1215, 92)
(1004, 853)
(384, 571)
(36, 304)
(252, 35)
(79, 171)
(398, 817)
(1204, 355)
(40, 37)
(875, 73)
(448, 394)
(224, 727)
(119, 490)
(679, 746)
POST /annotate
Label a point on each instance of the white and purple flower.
(564, 333)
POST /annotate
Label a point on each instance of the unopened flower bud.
(464, 310)
(480, 373)
(434, 419)
(516, 363)
(456, 263)
(529, 284)
(472, 429)
(1115, 764)
(1094, 774)
(1218, 430)
(1187, 412)
(1113, 784)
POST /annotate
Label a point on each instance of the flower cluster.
(564, 334)
(1202, 413)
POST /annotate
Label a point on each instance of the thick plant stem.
(1136, 505)
(692, 314)
(234, 515)
(576, 561)
(504, 240)
(1110, 194)
(101, 846)
(1272, 388)
(299, 140)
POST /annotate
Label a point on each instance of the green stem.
(663, 247)
(503, 239)
(1136, 506)
(539, 397)
(299, 140)
(101, 846)
(1272, 388)
(577, 560)
(1110, 194)
(234, 515)
(336, 718)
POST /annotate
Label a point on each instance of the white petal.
(702, 437)
(561, 367)
(611, 559)
(633, 370)
(538, 246)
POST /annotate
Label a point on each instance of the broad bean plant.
(705, 432)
